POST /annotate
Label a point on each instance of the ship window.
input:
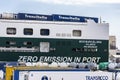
(7, 42)
(11, 31)
(76, 33)
(28, 31)
(44, 32)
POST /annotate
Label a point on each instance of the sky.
(108, 10)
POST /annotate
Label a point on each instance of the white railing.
(16, 49)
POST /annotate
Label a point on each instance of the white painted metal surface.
(62, 30)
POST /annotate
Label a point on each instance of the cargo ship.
(57, 38)
(54, 47)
